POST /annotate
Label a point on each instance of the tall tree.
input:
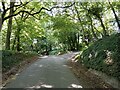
(97, 10)
(116, 17)
(80, 21)
(9, 30)
(92, 28)
(0, 22)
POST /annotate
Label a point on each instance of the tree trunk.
(104, 30)
(2, 15)
(18, 40)
(92, 29)
(9, 30)
(70, 43)
(50, 47)
(78, 16)
(17, 36)
(13, 46)
(0, 24)
(78, 42)
(116, 17)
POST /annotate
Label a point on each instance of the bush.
(11, 59)
(104, 55)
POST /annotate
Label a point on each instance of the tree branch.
(3, 5)
(43, 8)
(53, 8)
(115, 15)
(21, 6)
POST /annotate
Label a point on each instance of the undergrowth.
(104, 55)
(11, 59)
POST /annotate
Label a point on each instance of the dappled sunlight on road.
(46, 86)
(40, 66)
(30, 75)
(66, 66)
(75, 86)
(41, 86)
(48, 72)
(51, 86)
(44, 57)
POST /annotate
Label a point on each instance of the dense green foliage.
(43, 27)
(11, 59)
(58, 27)
(104, 55)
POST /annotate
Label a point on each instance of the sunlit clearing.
(46, 86)
(75, 86)
(44, 57)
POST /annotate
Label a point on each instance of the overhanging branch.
(43, 8)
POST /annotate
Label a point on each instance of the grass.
(104, 56)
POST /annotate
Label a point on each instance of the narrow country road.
(47, 72)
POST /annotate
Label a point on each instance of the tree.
(83, 30)
(67, 32)
(97, 10)
(15, 13)
(72, 24)
(9, 30)
(92, 27)
(116, 17)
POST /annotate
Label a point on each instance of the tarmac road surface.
(47, 72)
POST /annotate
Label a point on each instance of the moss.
(100, 60)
